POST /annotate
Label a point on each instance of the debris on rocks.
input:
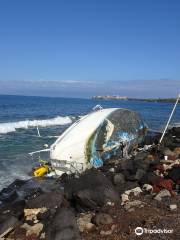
(125, 196)
(31, 214)
(110, 204)
(173, 207)
(131, 205)
(33, 230)
(136, 191)
(147, 187)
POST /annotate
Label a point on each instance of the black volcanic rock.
(7, 221)
(63, 226)
(91, 190)
(48, 200)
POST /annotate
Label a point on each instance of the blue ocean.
(20, 116)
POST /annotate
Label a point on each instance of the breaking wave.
(12, 126)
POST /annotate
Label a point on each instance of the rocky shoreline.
(124, 98)
(105, 203)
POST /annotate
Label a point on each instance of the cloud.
(78, 88)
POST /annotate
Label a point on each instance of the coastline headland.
(117, 97)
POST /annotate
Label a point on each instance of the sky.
(80, 48)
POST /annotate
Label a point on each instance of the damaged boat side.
(95, 138)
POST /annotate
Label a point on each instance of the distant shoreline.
(163, 100)
(118, 98)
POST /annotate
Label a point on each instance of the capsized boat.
(95, 138)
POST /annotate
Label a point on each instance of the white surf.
(13, 126)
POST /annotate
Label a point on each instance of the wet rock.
(17, 208)
(8, 196)
(37, 186)
(47, 200)
(7, 221)
(49, 185)
(63, 226)
(119, 179)
(84, 222)
(29, 191)
(161, 194)
(11, 190)
(102, 219)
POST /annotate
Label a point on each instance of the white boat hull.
(77, 148)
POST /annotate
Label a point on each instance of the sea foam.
(12, 126)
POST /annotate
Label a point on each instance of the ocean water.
(20, 115)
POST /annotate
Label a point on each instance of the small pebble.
(173, 207)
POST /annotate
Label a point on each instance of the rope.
(170, 117)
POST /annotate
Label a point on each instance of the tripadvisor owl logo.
(139, 231)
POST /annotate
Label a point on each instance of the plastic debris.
(173, 207)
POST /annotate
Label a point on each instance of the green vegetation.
(163, 100)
